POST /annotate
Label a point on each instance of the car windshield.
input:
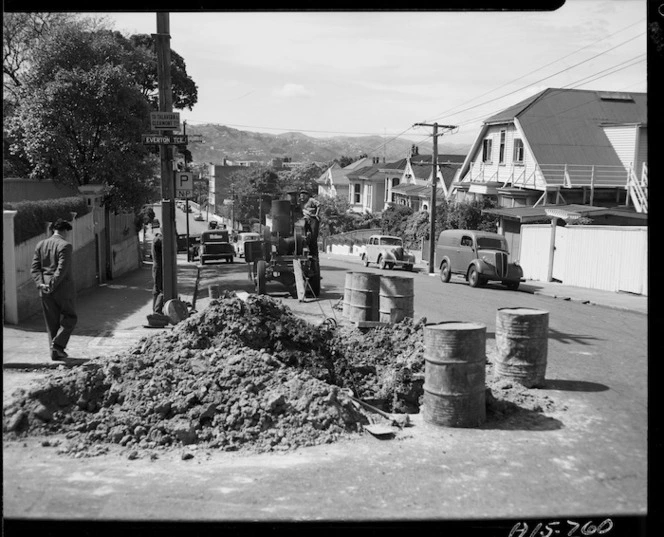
(487, 242)
(390, 241)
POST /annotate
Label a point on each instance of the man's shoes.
(58, 354)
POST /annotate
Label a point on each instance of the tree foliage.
(301, 177)
(84, 101)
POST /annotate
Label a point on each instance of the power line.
(543, 67)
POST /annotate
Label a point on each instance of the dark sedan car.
(216, 245)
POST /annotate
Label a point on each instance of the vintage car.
(242, 238)
(215, 245)
(479, 256)
(387, 252)
(194, 244)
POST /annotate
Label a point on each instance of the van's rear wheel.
(445, 272)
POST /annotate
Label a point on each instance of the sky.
(358, 73)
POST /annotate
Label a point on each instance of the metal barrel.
(281, 219)
(454, 374)
(214, 291)
(522, 345)
(361, 296)
(395, 299)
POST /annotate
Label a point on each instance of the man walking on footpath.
(52, 272)
(310, 209)
(157, 275)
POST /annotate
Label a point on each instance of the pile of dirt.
(240, 375)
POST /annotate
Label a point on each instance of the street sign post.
(184, 185)
(165, 120)
(164, 139)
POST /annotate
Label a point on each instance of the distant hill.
(221, 142)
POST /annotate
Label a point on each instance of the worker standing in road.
(52, 272)
(157, 275)
(311, 211)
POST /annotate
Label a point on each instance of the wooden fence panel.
(534, 253)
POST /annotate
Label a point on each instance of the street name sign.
(165, 120)
(161, 139)
(194, 138)
(184, 184)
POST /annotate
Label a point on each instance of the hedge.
(32, 216)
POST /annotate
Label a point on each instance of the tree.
(301, 177)
(142, 64)
(85, 101)
(20, 34)
(253, 190)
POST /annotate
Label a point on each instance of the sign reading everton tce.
(165, 120)
(173, 139)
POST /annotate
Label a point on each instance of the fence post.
(9, 269)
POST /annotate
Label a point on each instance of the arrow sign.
(160, 139)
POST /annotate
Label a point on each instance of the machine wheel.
(261, 276)
(445, 272)
(474, 278)
(365, 259)
(382, 264)
(512, 286)
(409, 268)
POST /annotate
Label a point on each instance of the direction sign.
(174, 139)
(184, 184)
(165, 120)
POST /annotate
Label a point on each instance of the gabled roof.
(566, 126)
(337, 173)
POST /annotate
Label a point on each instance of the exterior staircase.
(638, 190)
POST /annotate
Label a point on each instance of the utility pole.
(434, 180)
(163, 48)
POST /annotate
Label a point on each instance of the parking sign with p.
(184, 185)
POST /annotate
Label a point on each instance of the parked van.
(479, 256)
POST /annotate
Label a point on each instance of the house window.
(501, 150)
(357, 193)
(518, 151)
(486, 150)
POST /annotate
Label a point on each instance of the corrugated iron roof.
(539, 213)
(564, 126)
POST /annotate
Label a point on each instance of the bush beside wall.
(32, 217)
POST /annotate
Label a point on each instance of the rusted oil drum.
(395, 299)
(281, 219)
(522, 337)
(361, 296)
(454, 374)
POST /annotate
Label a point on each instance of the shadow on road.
(574, 386)
(508, 416)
